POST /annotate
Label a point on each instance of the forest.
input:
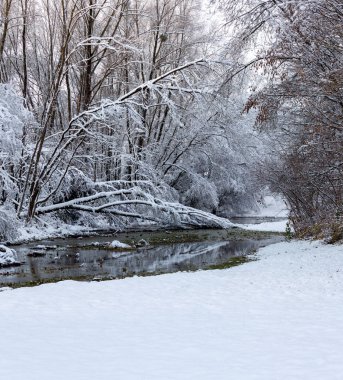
(116, 113)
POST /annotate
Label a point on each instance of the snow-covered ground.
(277, 226)
(278, 318)
(51, 231)
(273, 207)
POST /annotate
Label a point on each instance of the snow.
(276, 226)
(271, 206)
(57, 229)
(118, 244)
(5, 288)
(280, 317)
(36, 232)
(8, 256)
(41, 246)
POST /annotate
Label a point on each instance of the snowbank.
(277, 226)
(8, 256)
(55, 228)
(276, 318)
(36, 232)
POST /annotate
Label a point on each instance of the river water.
(89, 259)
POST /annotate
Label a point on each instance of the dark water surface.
(77, 259)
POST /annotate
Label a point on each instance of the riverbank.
(276, 318)
(158, 235)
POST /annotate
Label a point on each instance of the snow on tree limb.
(187, 215)
(94, 112)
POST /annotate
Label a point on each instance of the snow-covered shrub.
(13, 119)
(8, 256)
(75, 184)
(201, 193)
(8, 223)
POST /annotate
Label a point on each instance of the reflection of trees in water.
(33, 267)
(75, 262)
(180, 257)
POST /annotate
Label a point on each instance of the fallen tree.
(125, 202)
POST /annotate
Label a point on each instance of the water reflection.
(77, 262)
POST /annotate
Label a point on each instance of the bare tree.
(302, 99)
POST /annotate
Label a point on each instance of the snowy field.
(278, 318)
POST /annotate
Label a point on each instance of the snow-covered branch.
(185, 215)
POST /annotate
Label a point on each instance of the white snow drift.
(277, 318)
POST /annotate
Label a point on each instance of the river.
(90, 258)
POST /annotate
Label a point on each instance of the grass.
(233, 262)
